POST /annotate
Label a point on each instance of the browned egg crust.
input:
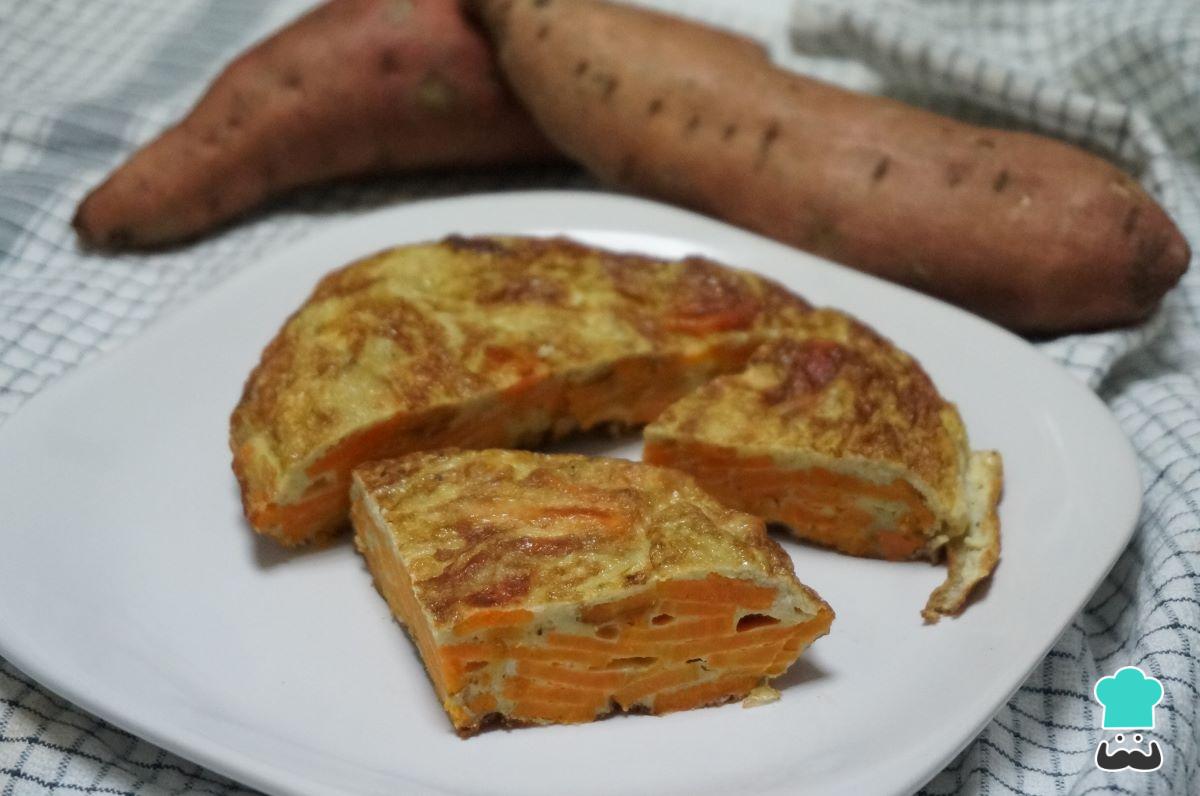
(479, 342)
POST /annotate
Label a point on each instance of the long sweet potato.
(1030, 232)
(352, 87)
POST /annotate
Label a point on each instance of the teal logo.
(1129, 698)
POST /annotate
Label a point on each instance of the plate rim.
(261, 773)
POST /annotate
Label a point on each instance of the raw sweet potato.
(352, 87)
(1030, 232)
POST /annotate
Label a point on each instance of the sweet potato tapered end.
(353, 87)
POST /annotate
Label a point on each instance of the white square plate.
(130, 584)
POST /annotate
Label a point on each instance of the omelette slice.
(842, 437)
(477, 343)
(546, 589)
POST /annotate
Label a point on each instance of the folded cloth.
(82, 84)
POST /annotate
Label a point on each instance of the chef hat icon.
(1129, 697)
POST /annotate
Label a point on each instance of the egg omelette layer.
(545, 588)
(477, 343)
(840, 436)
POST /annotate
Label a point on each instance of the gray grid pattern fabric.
(83, 83)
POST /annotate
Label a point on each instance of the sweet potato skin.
(1030, 232)
(351, 87)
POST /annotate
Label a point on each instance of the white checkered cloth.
(83, 83)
